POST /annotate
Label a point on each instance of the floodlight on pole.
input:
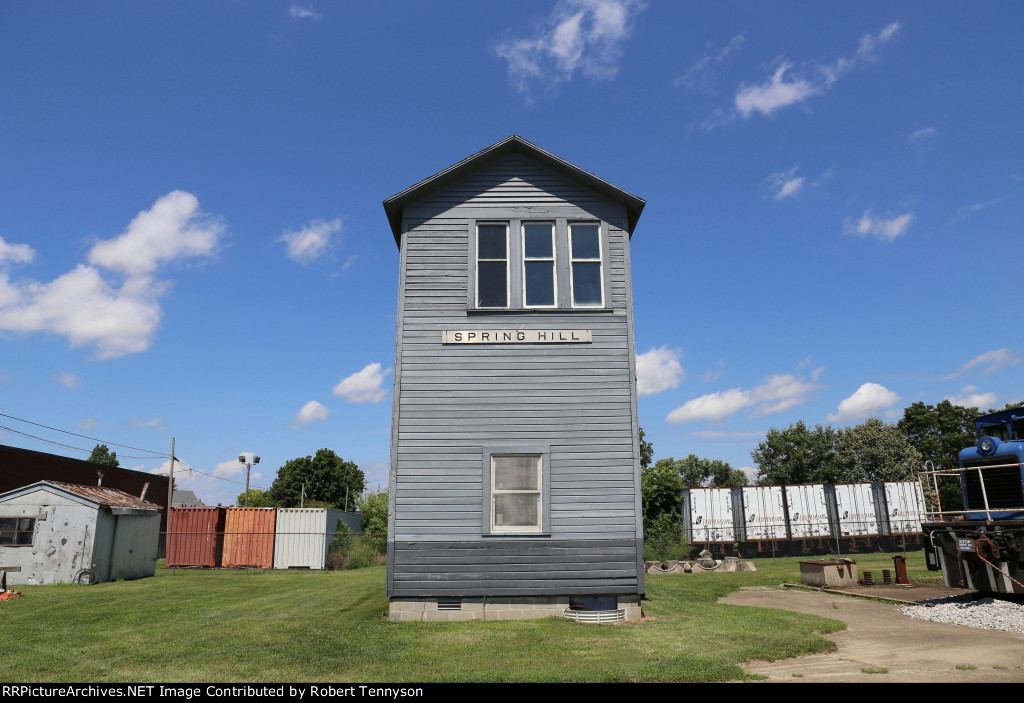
(248, 465)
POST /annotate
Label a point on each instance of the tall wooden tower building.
(515, 476)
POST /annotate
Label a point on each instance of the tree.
(796, 455)
(662, 484)
(873, 451)
(257, 499)
(660, 490)
(374, 507)
(938, 432)
(695, 471)
(101, 454)
(646, 450)
(327, 478)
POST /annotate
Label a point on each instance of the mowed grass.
(229, 626)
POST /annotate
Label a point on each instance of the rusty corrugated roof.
(106, 496)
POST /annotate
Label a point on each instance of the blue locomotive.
(981, 547)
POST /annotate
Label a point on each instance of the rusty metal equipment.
(900, 564)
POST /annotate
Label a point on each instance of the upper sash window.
(587, 279)
(492, 265)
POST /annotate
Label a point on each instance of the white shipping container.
(808, 511)
(856, 505)
(303, 537)
(711, 518)
(763, 512)
(905, 504)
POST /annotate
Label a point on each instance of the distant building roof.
(186, 499)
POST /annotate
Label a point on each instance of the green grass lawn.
(229, 626)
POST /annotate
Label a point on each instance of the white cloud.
(365, 386)
(878, 227)
(181, 471)
(776, 394)
(296, 11)
(15, 253)
(774, 94)
(658, 370)
(869, 399)
(727, 434)
(969, 210)
(713, 406)
(713, 374)
(310, 412)
(786, 183)
(67, 379)
(789, 85)
(158, 423)
(923, 134)
(310, 242)
(234, 466)
(92, 311)
(969, 399)
(579, 35)
(991, 360)
(701, 73)
(86, 423)
(171, 230)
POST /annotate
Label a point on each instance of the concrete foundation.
(494, 608)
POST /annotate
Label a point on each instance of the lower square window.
(516, 492)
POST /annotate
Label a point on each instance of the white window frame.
(553, 259)
(478, 259)
(543, 526)
(599, 260)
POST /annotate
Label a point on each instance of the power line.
(41, 439)
(204, 473)
(83, 436)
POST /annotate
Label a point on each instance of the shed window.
(492, 266)
(17, 531)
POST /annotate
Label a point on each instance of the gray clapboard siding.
(451, 401)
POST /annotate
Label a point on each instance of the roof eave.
(393, 206)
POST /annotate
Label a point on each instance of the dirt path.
(879, 637)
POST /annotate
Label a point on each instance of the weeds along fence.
(800, 540)
(264, 549)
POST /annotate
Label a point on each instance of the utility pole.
(170, 501)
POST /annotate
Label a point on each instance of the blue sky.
(192, 242)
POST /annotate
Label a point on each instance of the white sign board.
(516, 337)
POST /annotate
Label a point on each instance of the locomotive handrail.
(934, 473)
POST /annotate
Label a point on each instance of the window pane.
(586, 283)
(540, 283)
(491, 287)
(515, 473)
(538, 241)
(516, 510)
(586, 242)
(490, 242)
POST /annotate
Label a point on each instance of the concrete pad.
(879, 636)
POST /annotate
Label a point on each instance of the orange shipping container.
(195, 537)
(249, 537)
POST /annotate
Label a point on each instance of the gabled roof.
(97, 495)
(393, 205)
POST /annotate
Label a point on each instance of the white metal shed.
(52, 532)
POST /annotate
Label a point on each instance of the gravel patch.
(982, 614)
